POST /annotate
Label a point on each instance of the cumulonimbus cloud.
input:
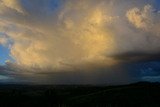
(76, 32)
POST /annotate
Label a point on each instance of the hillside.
(142, 94)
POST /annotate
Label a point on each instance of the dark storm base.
(141, 94)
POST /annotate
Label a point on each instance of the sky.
(79, 41)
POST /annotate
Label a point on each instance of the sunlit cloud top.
(78, 35)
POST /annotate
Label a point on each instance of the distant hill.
(141, 94)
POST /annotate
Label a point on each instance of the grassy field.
(142, 94)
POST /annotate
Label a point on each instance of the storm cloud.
(68, 40)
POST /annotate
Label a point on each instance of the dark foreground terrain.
(141, 94)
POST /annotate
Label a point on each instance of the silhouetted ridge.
(140, 94)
